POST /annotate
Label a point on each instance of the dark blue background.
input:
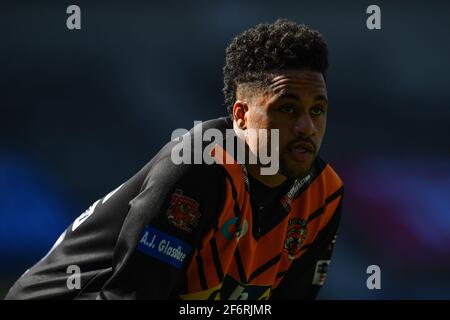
(82, 111)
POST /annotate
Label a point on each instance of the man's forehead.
(296, 80)
(279, 83)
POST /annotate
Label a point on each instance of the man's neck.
(271, 181)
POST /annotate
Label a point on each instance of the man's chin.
(295, 170)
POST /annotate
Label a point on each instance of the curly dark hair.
(268, 47)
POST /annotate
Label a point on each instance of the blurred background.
(82, 111)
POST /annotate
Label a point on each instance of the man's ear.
(239, 110)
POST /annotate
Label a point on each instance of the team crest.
(296, 235)
(183, 211)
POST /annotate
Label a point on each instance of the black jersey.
(194, 232)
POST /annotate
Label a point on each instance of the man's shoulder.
(162, 170)
(327, 172)
(163, 163)
(221, 124)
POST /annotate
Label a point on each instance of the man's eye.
(288, 109)
(317, 111)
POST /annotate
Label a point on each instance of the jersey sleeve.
(152, 266)
(307, 274)
(83, 250)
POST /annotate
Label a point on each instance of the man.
(223, 230)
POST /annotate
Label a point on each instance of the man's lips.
(303, 146)
(302, 151)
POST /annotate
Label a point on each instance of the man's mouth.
(302, 151)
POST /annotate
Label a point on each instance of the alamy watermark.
(373, 21)
(74, 280)
(73, 21)
(263, 148)
(374, 280)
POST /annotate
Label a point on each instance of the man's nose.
(304, 125)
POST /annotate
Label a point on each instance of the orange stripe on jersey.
(317, 206)
(229, 251)
(223, 238)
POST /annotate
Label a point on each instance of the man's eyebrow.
(320, 97)
(287, 96)
(293, 96)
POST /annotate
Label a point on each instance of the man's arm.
(154, 266)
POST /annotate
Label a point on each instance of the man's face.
(296, 104)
